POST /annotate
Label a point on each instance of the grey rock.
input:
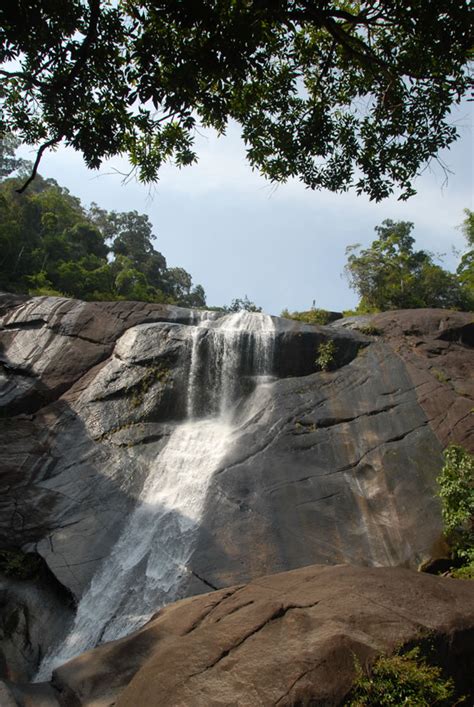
(331, 466)
(33, 614)
(338, 468)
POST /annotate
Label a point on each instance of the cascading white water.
(150, 558)
(235, 347)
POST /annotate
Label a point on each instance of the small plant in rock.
(439, 375)
(18, 564)
(326, 355)
(401, 680)
(456, 491)
(369, 330)
(155, 372)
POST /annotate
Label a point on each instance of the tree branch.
(89, 39)
(39, 155)
(361, 19)
(356, 47)
(12, 74)
(29, 80)
(83, 55)
(327, 65)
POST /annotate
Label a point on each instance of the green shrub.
(326, 355)
(361, 309)
(464, 572)
(311, 316)
(401, 680)
(456, 491)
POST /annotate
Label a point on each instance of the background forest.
(50, 244)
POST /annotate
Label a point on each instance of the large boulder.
(288, 639)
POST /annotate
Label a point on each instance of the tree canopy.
(51, 244)
(240, 304)
(390, 274)
(9, 162)
(456, 491)
(465, 270)
(338, 94)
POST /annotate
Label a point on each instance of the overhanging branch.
(39, 155)
(83, 55)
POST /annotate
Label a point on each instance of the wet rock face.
(436, 347)
(338, 468)
(34, 613)
(322, 466)
(287, 639)
(90, 395)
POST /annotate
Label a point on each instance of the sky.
(284, 246)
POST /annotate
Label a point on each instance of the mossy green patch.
(156, 372)
(439, 375)
(369, 330)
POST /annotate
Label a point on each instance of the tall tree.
(465, 268)
(9, 162)
(336, 93)
(50, 244)
(240, 304)
(390, 274)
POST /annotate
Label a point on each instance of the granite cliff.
(281, 464)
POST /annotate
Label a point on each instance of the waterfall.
(227, 357)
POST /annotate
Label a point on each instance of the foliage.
(9, 163)
(439, 375)
(18, 564)
(467, 227)
(337, 94)
(390, 274)
(464, 572)
(465, 269)
(51, 245)
(241, 304)
(369, 330)
(154, 373)
(326, 354)
(456, 490)
(311, 316)
(401, 680)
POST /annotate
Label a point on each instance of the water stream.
(227, 357)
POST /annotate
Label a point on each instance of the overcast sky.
(282, 247)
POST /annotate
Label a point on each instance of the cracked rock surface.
(287, 639)
(436, 346)
(332, 467)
